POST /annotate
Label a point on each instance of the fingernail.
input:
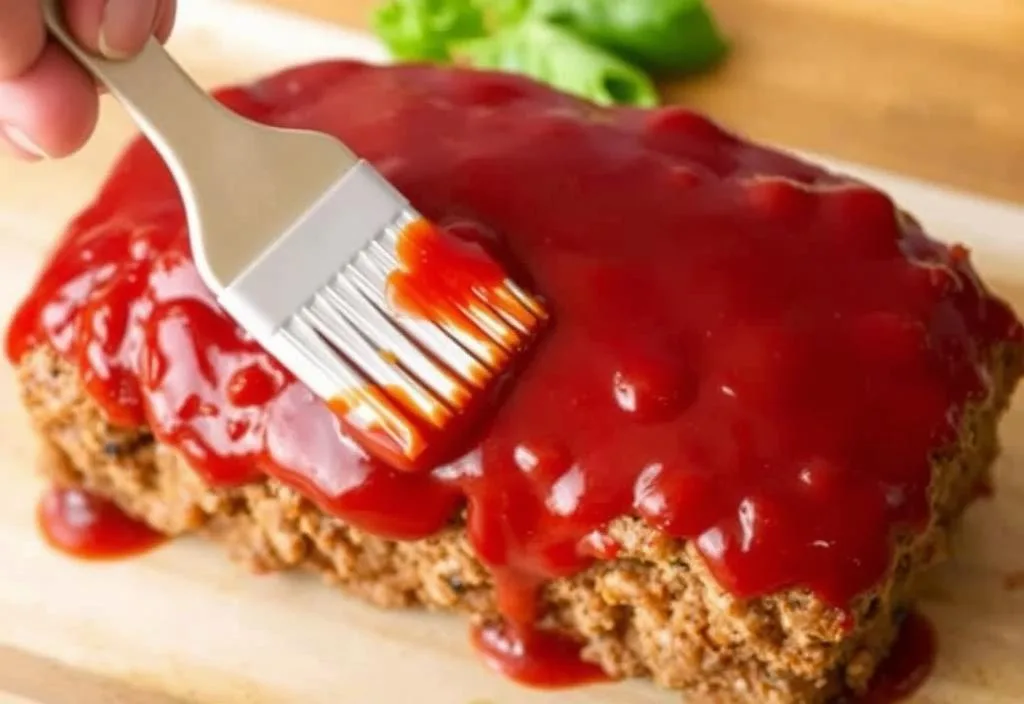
(126, 26)
(20, 143)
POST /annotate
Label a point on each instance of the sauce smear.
(86, 526)
(458, 286)
(440, 275)
(376, 418)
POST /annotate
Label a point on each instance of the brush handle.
(242, 184)
(172, 111)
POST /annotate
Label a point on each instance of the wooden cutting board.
(184, 625)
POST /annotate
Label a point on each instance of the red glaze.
(447, 279)
(538, 658)
(440, 274)
(86, 526)
(909, 664)
(394, 436)
(745, 350)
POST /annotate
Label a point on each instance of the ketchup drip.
(745, 350)
(909, 664)
(535, 658)
(86, 526)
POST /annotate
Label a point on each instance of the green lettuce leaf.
(659, 35)
(421, 30)
(559, 58)
(502, 13)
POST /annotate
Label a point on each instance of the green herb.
(597, 49)
(421, 30)
(558, 57)
(660, 35)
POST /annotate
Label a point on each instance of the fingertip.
(126, 27)
(18, 144)
(54, 105)
(84, 18)
(165, 19)
(116, 29)
(22, 37)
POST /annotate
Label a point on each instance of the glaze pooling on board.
(746, 350)
(91, 527)
(909, 665)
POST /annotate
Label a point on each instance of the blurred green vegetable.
(558, 57)
(421, 30)
(597, 49)
(659, 35)
(505, 12)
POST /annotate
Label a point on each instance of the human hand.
(48, 103)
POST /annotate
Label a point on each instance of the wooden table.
(930, 88)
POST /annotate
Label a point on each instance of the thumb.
(116, 29)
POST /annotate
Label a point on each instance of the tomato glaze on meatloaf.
(764, 397)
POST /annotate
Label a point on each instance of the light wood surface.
(185, 626)
(930, 88)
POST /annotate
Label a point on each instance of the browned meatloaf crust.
(652, 612)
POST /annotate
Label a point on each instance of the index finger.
(22, 36)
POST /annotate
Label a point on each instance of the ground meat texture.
(654, 611)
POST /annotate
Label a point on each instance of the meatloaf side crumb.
(655, 611)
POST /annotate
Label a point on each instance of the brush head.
(399, 325)
(317, 257)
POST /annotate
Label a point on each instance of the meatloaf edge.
(654, 611)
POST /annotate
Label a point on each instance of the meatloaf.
(763, 403)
